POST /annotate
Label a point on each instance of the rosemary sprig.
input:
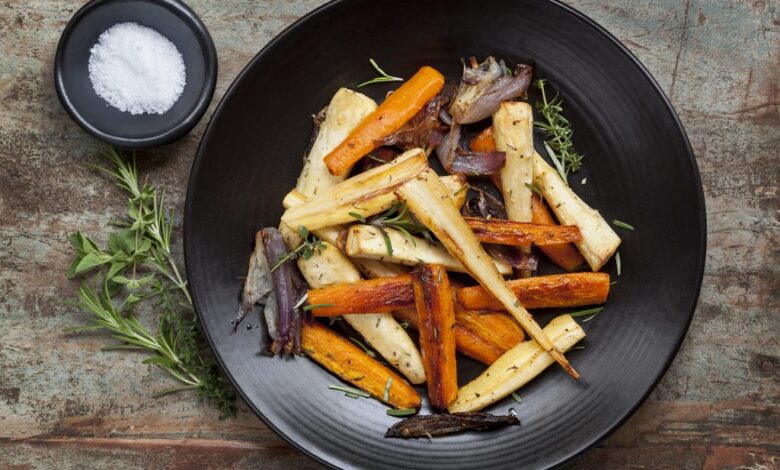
(559, 132)
(400, 218)
(310, 246)
(618, 264)
(362, 346)
(138, 266)
(400, 412)
(591, 312)
(382, 78)
(621, 224)
(350, 390)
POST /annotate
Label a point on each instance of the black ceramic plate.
(639, 168)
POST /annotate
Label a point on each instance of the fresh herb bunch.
(138, 266)
(400, 218)
(310, 246)
(559, 132)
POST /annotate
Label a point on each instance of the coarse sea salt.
(136, 69)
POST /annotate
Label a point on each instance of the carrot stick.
(564, 255)
(379, 295)
(436, 313)
(388, 294)
(471, 342)
(348, 362)
(497, 328)
(393, 113)
(556, 291)
(483, 142)
(510, 232)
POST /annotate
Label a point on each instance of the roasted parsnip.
(345, 111)
(380, 330)
(368, 241)
(513, 130)
(350, 363)
(516, 367)
(357, 195)
(599, 242)
(429, 201)
(436, 313)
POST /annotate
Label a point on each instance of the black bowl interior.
(639, 168)
(173, 20)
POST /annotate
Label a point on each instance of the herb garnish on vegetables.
(311, 245)
(138, 266)
(559, 133)
(382, 78)
(621, 224)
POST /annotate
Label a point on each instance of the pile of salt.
(136, 69)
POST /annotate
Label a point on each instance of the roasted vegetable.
(394, 112)
(516, 367)
(423, 130)
(394, 246)
(564, 255)
(513, 134)
(257, 284)
(441, 424)
(357, 195)
(471, 344)
(346, 110)
(436, 313)
(457, 160)
(427, 198)
(374, 295)
(351, 364)
(380, 330)
(485, 86)
(599, 242)
(498, 328)
(509, 232)
(483, 142)
(285, 291)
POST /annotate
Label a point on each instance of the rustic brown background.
(66, 404)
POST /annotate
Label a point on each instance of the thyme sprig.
(559, 133)
(382, 78)
(310, 246)
(400, 218)
(138, 266)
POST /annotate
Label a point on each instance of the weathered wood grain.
(65, 404)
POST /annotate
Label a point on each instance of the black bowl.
(170, 18)
(639, 168)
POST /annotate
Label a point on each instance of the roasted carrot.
(435, 310)
(379, 295)
(393, 113)
(350, 363)
(497, 328)
(555, 291)
(483, 142)
(510, 232)
(470, 342)
(564, 255)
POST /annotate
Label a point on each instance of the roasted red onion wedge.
(441, 424)
(458, 161)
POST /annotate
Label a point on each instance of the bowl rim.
(291, 30)
(184, 125)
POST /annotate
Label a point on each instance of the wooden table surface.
(66, 404)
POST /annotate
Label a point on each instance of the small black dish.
(172, 19)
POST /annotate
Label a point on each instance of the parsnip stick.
(367, 241)
(513, 133)
(516, 367)
(428, 200)
(599, 242)
(345, 111)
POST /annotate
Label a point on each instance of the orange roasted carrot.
(498, 328)
(564, 255)
(483, 142)
(510, 232)
(380, 295)
(436, 312)
(467, 341)
(555, 291)
(393, 113)
(350, 363)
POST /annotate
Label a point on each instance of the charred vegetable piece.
(436, 313)
(441, 424)
(509, 232)
(554, 291)
(393, 113)
(257, 284)
(428, 200)
(457, 160)
(423, 130)
(564, 255)
(484, 87)
(353, 365)
(484, 142)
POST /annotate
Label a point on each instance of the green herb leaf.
(400, 412)
(313, 306)
(363, 347)
(357, 216)
(386, 395)
(618, 263)
(559, 133)
(621, 224)
(382, 78)
(352, 390)
(517, 398)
